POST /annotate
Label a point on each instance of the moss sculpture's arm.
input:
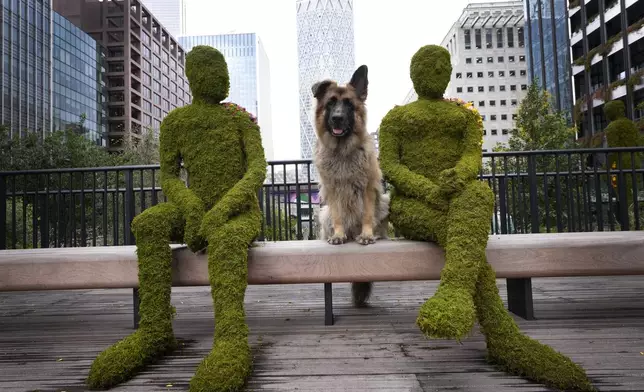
(394, 171)
(469, 165)
(175, 189)
(244, 192)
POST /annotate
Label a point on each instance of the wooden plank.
(299, 262)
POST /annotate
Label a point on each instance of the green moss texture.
(220, 146)
(431, 153)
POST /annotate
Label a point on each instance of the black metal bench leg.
(520, 297)
(328, 304)
(136, 301)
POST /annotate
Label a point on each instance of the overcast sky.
(387, 33)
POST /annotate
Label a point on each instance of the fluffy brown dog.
(355, 205)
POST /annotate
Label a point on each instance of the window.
(484, 133)
(459, 75)
(524, 87)
(499, 38)
(469, 75)
(511, 59)
(483, 117)
(522, 58)
(522, 72)
(468, 60)
(514, 116)
(513, 73)
(481, 103)
(481, 89)
(504, 131)
(479, 60)
(490, 59)
(502, 88)
(488, 38)
(491, 89)
(470, 89)
(459, 89)
(504, 117)
(501, 74)
(494, 132)
(468, 39)
(514, 102)
(503, 102)
(521, 37)
(490, 74)
(479, 74)
(510, 33)
(477, 38)
(493, 117)
(500, 59)
(492, 103)
(513, 87)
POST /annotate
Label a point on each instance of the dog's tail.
(360, 292)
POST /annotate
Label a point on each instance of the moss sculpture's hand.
(194, 214)
(450, 181)
(233, 203)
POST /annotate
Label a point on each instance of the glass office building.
(549, 50)
(249, 72)
(78, 87)
(26, 67)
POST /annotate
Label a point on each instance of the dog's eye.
(347, 102)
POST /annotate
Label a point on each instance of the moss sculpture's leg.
(517, 353)
(153, 229)
(229, 363)
(450, 313)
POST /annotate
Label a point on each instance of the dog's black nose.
(337, 119)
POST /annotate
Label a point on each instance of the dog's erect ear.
(360, 82)
(319, 88)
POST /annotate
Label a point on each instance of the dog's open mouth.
(337, 132)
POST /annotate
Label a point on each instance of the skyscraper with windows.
(549, 50)
(489, 69)
(26, 66)
(326, 49)
(170, 13)
(249, 70)
(78, 87)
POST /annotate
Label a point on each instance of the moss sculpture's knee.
(430, 152)
(220, 146)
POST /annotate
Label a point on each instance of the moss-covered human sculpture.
(221, 149)
(622, 132)
(431, 153)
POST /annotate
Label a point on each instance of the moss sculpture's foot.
(520, 355)
(360, 292)
(337, 239)
(449, 314)
(366, 239)
(123, 360)
(226, 368)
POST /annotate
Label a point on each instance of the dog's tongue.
(337, 131)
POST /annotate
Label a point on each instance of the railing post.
(44, 222)
(520, 289)
(3, 212)
(503, 208)
(128, 236)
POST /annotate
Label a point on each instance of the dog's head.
(340, 111)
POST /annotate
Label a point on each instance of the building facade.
(78, 88)
(548, 51)
(607, 48)
(26, 66)
(145, 65)
(489, 67)
(249, 71)
(325, 42)
(170, 13)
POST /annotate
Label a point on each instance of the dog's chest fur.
(340, 171)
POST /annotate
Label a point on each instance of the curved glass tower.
(325, 50)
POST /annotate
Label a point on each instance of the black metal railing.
(535, 191)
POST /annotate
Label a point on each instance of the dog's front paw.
(337, 239)
(366, 239)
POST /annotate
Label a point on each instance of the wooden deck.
(48, 339)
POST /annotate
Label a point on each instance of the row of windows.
(502, 102)
(490, 74)
(499, 59)
(493, 117)
(491, 89)
(495, 132)
(467, 34)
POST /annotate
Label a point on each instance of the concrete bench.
(516, 257)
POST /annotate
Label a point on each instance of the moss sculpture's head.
(207, 73)
(430, 71)
(614, 110)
